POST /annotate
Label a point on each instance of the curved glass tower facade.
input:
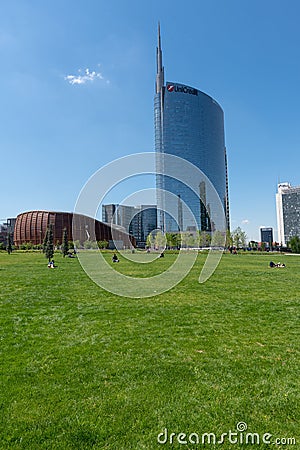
(189, 124)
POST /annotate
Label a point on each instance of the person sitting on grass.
(115, 258)
(51, 264)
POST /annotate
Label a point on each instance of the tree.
(204, 239)
(192, 240)
(45, 241)
(229, 241)
(189, 240)
(148, 240)
(156, 240)
(172, 240)
(218, 239)
(253, 245)
(87, 245)
(239, 237)
(49, 251)
(77, 244)
(9, 243)
(102, 244)
(295, 244)
(160, 240)
(65, 243)
(90, 245)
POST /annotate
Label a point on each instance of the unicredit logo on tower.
(184, 89)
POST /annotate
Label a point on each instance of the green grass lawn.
(84, 369)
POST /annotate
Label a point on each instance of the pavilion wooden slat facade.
(31, 227)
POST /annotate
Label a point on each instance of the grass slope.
(85, 369)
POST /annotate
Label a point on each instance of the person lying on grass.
(279, 264)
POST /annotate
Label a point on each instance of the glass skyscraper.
(188, 124)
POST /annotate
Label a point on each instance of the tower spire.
(159, 66)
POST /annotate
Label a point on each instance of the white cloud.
(87, 76)
(245, 222)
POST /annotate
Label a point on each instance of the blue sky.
(56, 131)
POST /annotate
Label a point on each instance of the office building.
(266, 236)
(288, 212)
(118, 214)
(188, 124)
(7, 227)
(138, 221)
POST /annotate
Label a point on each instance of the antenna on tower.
(159, 67)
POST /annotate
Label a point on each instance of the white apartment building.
(288, 212)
